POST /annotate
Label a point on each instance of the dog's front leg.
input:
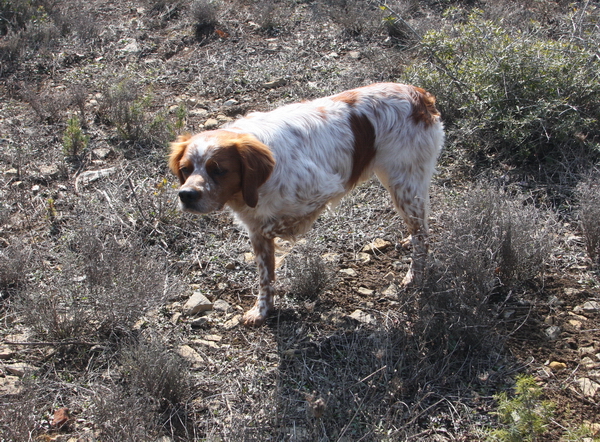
(264, 250)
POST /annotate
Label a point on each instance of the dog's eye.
(185, 170)
(215, 170)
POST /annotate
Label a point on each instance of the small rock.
(211, 123)
(365, 291)
(199, 322)
(249, 257)
(175, 318)
(275, 83)
(230, 266)
(588, 307)
(355, 55)
(363, 317)
(575, 324)
(588, 362)
(35, 189)
(101, 152)
(349, 272)
(131, 47)
(233, 322)
(19, 369)
(190, 355)
(200, 113)
(553, 332)
(196, 304)
(223, 119)
(49, 170)
(206, 343)
(7, 353)
(61, 417)
(10, 386)
(557, 366)
(363, 257)
(391, 291)
(214, 338)
(379, 245)
(221, 306)
(588, 387)
(330, 257)
(230, 103)
(89, 176)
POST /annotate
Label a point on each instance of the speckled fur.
(278, 170)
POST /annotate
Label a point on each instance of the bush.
(74, 140)
(309, 275)
(589, 215)
(128, 107)
(525, 416)
(493, 239)
(516, 98)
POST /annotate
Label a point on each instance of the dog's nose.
(189, 196)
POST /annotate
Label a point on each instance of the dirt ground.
(361, 360)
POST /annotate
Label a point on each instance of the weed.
(589, 213)
(204, 16)
(74, 140)
(309, 275)
(524, 417)
(517, 98)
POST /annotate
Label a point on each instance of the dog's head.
(215, 167)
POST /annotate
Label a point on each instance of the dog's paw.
(255, 317)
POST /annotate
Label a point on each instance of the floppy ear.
(257, 166)
(177, 150)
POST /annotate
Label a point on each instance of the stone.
(365, 291)
(233, 322)
(379, 245)
(557, 366)
(89, 176)
(355, 55)
(196, 304)
(275, 83)
(101, 152)
(363, 257)
(190, 355)
(221, 306)
(588, 387)
(588, 307)
(199, 322)
(349, 272)
(49, 170)
(553, 332)
(588, 362)
(19, 368)
(7, 353)
(10, 386)
(330, 257)
(363, 317)
(230, 103)
(211, 123)
(201, 113)
(391, 291)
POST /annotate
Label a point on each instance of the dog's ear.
(257, 166)
(177, 151)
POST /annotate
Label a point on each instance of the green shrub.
(512, 97)
(74, 140)
(525, 416)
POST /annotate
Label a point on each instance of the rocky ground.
(106, 285)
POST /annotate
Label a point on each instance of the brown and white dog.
(278, 170)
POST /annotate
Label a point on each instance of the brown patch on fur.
(364, 146)
(348, 97)
(178, 149)
(424, 109)
(257, 163)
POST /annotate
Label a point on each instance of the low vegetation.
(96, 262)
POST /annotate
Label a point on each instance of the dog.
(278, 170)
